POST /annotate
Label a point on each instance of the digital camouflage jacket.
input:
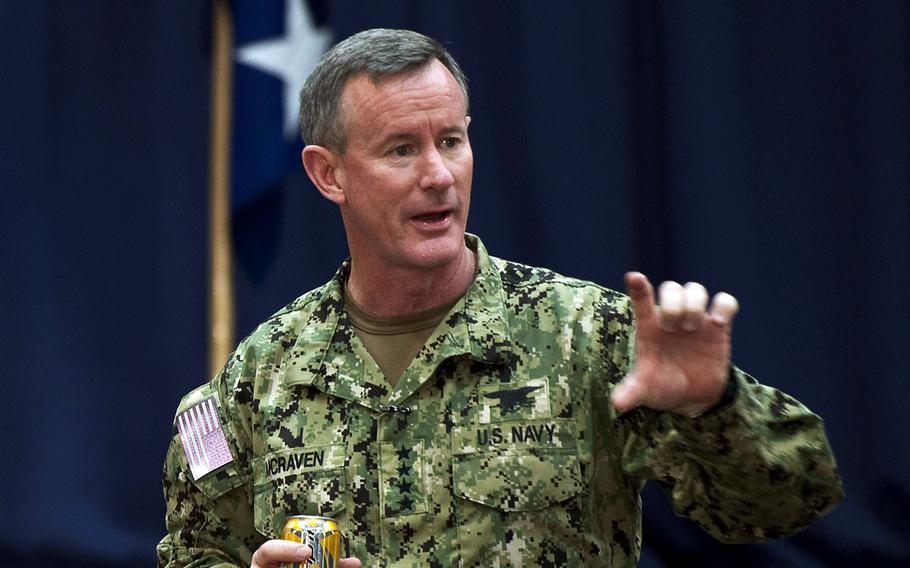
(497, 447)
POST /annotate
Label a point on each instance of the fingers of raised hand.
(694, 303)
(641, 295)
(628, 393)
(684, 306)
(672, 299)
(723, 308)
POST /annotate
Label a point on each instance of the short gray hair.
(379, 53)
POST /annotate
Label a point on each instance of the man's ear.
(325, 171)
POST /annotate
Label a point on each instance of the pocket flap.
(217, 483)
(518, 479)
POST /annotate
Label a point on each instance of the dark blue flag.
(276, 46)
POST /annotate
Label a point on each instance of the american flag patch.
(203, 439)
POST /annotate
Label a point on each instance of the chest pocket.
(518, 480)
(299, 481)
(514, 475)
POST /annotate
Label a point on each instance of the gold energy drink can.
(321, 534)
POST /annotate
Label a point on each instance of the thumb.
(628, 394)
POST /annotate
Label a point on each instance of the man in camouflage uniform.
(453, 409)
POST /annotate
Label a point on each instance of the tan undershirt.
(394, 341)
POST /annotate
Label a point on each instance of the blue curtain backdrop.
(759, 147)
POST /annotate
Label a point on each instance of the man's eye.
(401, 151)
(450, 142)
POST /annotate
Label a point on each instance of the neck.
(400, 292)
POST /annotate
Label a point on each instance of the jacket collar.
(324, 355)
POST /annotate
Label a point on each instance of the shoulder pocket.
(518, 479)
(207, 447)
(298, 481)
(218, 483)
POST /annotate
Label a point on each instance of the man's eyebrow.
(394, 138)
(405, 136)
(457, 128)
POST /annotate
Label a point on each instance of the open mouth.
(432, 217)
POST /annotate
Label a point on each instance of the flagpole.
(221, 273)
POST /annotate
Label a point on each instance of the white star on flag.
(290, 57)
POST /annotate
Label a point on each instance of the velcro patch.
(500, 402)
(203, 440)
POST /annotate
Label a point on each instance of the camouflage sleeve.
(209, 519)
(757, 469)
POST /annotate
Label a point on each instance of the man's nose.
(435, 172)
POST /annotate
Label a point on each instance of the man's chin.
(439, 252)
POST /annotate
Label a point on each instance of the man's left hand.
(682, 351)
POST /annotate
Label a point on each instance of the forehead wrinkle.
(411, 119)
(404, 103)
(398, 100)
